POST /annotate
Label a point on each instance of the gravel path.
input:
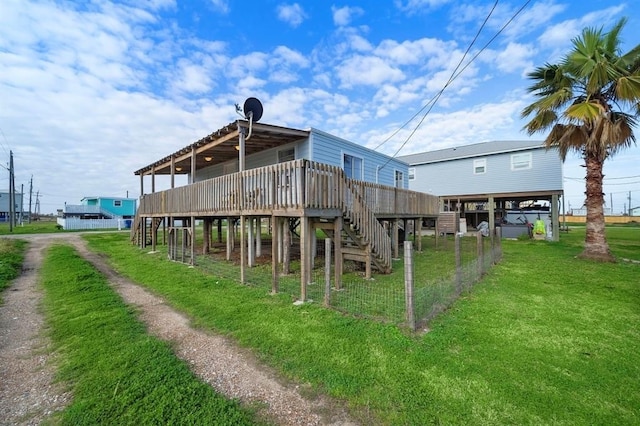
(26, 392)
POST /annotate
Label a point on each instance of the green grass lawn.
(117, 373)
(545, 338)
(11, 258)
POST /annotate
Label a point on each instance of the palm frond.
(583, 112)
(628, 88)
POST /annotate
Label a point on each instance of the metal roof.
(468, 151)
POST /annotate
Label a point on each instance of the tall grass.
(545, 338)
(117, 373)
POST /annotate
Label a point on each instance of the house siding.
(377, 167)
(328, 149)
(456, 177)
(126, 208)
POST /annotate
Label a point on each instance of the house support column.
(555, 218)
(492, 215)
(230, 237)
(251, 240)
(337, 244)
(394, 238)
(276, 231)
(206, 235)
(243, 254)
(418, 226)
(305, 256)
(154, 234)
(192, 225)
(258, 236)
(219, 229)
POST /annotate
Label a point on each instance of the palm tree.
(590, 101)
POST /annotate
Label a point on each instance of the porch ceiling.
(220, 147)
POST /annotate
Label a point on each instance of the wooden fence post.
(408, 284)
(498, 243)
(458, 256)
(327, 272)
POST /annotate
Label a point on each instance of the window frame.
(520, 164)
(411, 173)
(398, 178)
(292, 154)
(117, 203)
(361, 168)
(479, 163)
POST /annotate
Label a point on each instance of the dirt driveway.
(28, 394)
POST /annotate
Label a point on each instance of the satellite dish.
(252, 109)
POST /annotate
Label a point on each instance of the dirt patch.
(231, 370)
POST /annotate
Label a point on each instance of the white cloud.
(242, 65)
(342, 16)
(557, 38)
(292, 14)
(515, 57)
(221, 6)
(415, 6)
(367, 71)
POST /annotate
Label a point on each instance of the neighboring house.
(307, 178)
(5, 206)
(634, 211)
(99, 213)
(492, 181)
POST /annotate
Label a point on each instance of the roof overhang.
(220, 147)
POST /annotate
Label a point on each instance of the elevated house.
(297, 181)
(98, 213)
(506, 183)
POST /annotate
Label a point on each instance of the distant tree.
(590, 101)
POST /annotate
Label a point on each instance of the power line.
(433, 100)
(453, 77)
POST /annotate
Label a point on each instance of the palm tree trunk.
(595, 243)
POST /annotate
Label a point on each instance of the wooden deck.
(318, 193)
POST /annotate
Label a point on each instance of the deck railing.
(294, 188)
(298, 184)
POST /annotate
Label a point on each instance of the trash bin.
(127, 223)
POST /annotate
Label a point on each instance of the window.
(286, 155)
(117, 203)
(230, 167)
(352, 166)
(479, 166)
(521, 161)
(399, 176)
(412, 173)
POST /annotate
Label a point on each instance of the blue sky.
(92, 91)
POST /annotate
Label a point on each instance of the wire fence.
(444, 269)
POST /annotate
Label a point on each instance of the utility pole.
(22, 204)
(629, 203)
(30, 194)
(37, 209)
(12, 195)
